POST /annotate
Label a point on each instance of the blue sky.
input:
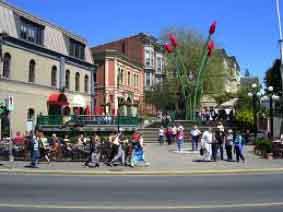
(247, 29)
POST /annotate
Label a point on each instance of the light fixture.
(270, 88)
(250, 94)
(254, 85)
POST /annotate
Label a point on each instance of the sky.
(247, 29)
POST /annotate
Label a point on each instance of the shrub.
(264, 146)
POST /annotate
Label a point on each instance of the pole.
(255, 118)
(11, 157)
(280, 37)
(271, 115)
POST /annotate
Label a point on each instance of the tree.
(190, 49)
(273, 76)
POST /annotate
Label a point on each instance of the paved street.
(160, 193)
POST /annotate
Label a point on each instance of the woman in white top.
(206, 140)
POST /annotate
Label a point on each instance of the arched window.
(6, 65)
(54, 76)
(31, 75)
(67, 79)
(30, 114)
(86, 83)
(77, 83)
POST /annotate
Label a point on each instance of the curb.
(141, 173)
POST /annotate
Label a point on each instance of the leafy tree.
(190, 45)
(273, 76)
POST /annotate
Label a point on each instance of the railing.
(56, 120)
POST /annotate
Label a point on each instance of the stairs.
(151, 135)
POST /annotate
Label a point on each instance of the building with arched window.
(119, 84)
(39, 67)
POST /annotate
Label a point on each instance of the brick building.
(119, 84)
(142, 49)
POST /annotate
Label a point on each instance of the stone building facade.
(39, 61)
(119, 84)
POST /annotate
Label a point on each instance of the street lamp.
(272, 97)
(254, 94)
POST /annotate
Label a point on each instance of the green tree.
(273, 76)
(190, 45)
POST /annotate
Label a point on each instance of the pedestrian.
(169, 135)
(206, 141)
(35, 151)
(44, 147)
(239, 146)
(195, 134)
(92, 159)
(161, 135)
(219, 137)
(137, 156)
(174, 133)
(229, 145)
(120, 155)
(180, 138)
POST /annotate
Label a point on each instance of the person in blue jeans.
(180, 138)
(35, 151)
(239, 143)
(195, 134)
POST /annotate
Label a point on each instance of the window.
(54, 76)
(77, 83)
(86, 83)
(122, 76)
(129, 78)
(77, 49)
(31, 75)
(159, 65)
(31, 31)
(67, 79)
(147, 79)
(30, 114)
(6, 65)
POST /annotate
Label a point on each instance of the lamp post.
(254, 94)
(271, 97)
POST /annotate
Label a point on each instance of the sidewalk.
(162, 159)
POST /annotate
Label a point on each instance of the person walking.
(239, 146)
(35, 151)
(161, 135)
(44, 147)
(195, 134)
(174, 133)
(206, 141)
(180, 138)
(229, 145)
(92, 159)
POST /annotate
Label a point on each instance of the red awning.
(57, 99)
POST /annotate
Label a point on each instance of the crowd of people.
(212, 144)
(117, 149)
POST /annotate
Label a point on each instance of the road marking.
(141, 208)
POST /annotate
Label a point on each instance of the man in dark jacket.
(219, 138)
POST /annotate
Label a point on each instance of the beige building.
(45, 68)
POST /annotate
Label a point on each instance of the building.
(231, 78)
(142, 49)
(46, 69)
(119, 84)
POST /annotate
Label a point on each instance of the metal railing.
(86, 120)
